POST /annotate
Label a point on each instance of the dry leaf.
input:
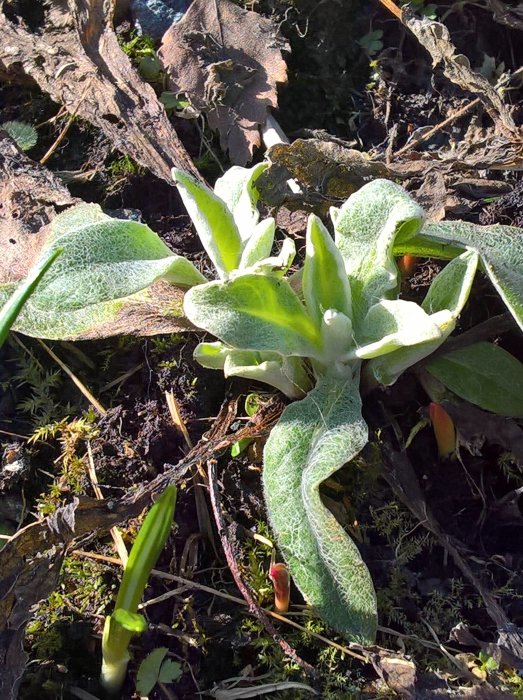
(228, 61)
(505, 14)
(327, 171)
(31, 196)
(74, 56)
(435, 37)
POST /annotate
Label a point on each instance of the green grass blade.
(14, 304)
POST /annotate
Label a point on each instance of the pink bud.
(279, 575)
(444, 430)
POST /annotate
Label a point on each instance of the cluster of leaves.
(309, 334)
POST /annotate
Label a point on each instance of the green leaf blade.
(366, 228)
(259, 245)
(500, 249)
(254, 312)
(485, 375)
(237, 189)
(444, 302)
(13, 306)
(213, 221)
(106, 266)
(325, 283)
(389, 325)
(312, 440)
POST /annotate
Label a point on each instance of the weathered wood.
(74, 56)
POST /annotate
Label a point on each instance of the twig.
(122, 378)
(67, 126)
(79, 384)
(392, 7)
(199, 479)
(435, 129)
(177, 419)
(235, 571)
(61, 136)
(18, 435)
(233, 599)
(115, 532)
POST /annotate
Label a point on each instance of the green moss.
(72, 470)
(122, 167)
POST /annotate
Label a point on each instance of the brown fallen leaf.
(435, 37)
(74, 56)
(510, 16)
(327, 172)
(228, 61)
(31, 197)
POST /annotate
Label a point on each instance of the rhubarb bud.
(279, 575)
(407, 264)
(444, 430)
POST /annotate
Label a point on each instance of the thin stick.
(61, 136)
(392, 7)
(18, 435)
(435, 129)
(226, 596)
(115, 532)
(254, 607)
(177, 419)
(85, 391)
(122, 378)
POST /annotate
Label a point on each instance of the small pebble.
(154, 17)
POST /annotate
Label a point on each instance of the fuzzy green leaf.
(213, 221)
(389, 325)
(105, 265)
(450, 289)
(23, 134)
(447, 294)
(254, 312)
(285, 373)
(500, 249)
(325, 284)
(366, 228)
(312, 440)
(211, 355)
(485, 375)
(259, 245)
(236, 188)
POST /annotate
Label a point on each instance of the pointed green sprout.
(124, 623)
(13, 306)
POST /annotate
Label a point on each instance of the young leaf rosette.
(311, 334)
(311, 343)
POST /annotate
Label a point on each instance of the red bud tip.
(407, 264)
(279, 575)
(444, 430)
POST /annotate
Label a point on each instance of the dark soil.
(424, 595)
